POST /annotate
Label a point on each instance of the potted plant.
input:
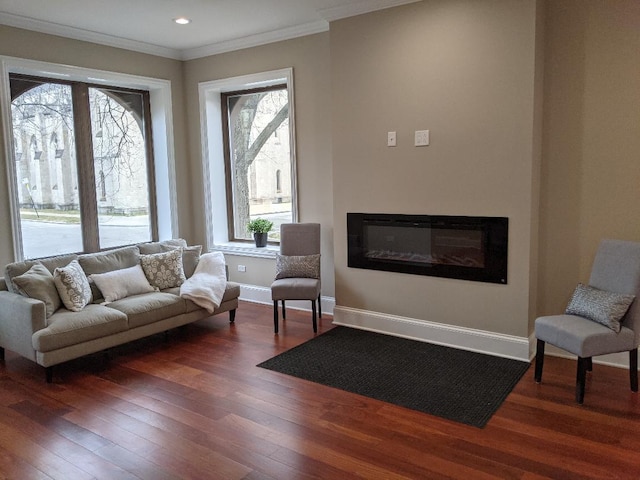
(260, 227)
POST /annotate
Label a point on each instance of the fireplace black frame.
(494, 232)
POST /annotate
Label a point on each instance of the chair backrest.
(300, 238)
(616, 268)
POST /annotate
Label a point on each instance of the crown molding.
(360, 8)
(87, 36)
(328, 15)
(256, 40)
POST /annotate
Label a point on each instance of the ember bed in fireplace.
(467, 248)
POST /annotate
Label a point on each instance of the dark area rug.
(463, 386)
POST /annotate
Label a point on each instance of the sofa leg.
(275, 316)
(539, 361)
(48, 371)
(1, 353)
(232, 315)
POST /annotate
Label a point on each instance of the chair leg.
(590, 364)
(539, 361)
(284, 311)
(633, 369)
(275, 316)
(319, 307)
(313, 316)
(580, 379)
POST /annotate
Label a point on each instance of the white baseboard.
(491, 343)
(257, 294)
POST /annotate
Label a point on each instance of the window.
(248, 156)
(85, 178)
(255, 158)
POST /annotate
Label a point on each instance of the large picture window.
(84, 176)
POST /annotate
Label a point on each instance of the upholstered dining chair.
(601, 318)
(297, 269)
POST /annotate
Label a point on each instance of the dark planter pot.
(261, 239)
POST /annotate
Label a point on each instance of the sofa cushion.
(164, 270)
(38, 283)
(108, 261)
(122, 283)
(18, 268)
(66, 328)
(163, 246)
(149, 307)
(73, 286)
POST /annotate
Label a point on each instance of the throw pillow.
(122, 283)
(38, 283)
(73, 286)
(164, 270)
(297, 266)
(190, 257)
(606, 308)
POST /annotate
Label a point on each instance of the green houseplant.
(260, 227)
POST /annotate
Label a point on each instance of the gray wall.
(465, 70)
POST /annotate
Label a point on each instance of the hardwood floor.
(196, 406)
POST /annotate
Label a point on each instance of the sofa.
(60, 308)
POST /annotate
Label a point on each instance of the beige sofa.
(29, 327)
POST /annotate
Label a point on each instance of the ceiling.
(217, 25)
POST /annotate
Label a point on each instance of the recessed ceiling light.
(182, 20)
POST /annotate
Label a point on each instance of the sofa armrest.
(20, 318)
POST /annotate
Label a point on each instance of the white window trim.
(161, 121)
(215, 201)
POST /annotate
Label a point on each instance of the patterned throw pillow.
(606, 308)
(297, 266)
(38, 283)
(164, 270)
(73, 286)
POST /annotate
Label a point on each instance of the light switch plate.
(422, 138)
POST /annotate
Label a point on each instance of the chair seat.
(295, 289)
(583, 337)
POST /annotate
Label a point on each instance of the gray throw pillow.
(190, 257)
(606, 308)
(164, 270)
(38, 283)
(73, 286)
(297, 266)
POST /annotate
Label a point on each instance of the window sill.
(246, 250)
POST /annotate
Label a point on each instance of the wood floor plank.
(196, 406)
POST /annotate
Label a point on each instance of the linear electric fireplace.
(467, 248)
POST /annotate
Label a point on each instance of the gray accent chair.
(616, 268)
(297, 239)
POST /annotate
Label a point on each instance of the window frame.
(161, 116)
(216, 215)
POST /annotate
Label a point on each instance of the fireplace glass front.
(467, 248)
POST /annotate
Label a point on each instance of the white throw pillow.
(122, 283)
